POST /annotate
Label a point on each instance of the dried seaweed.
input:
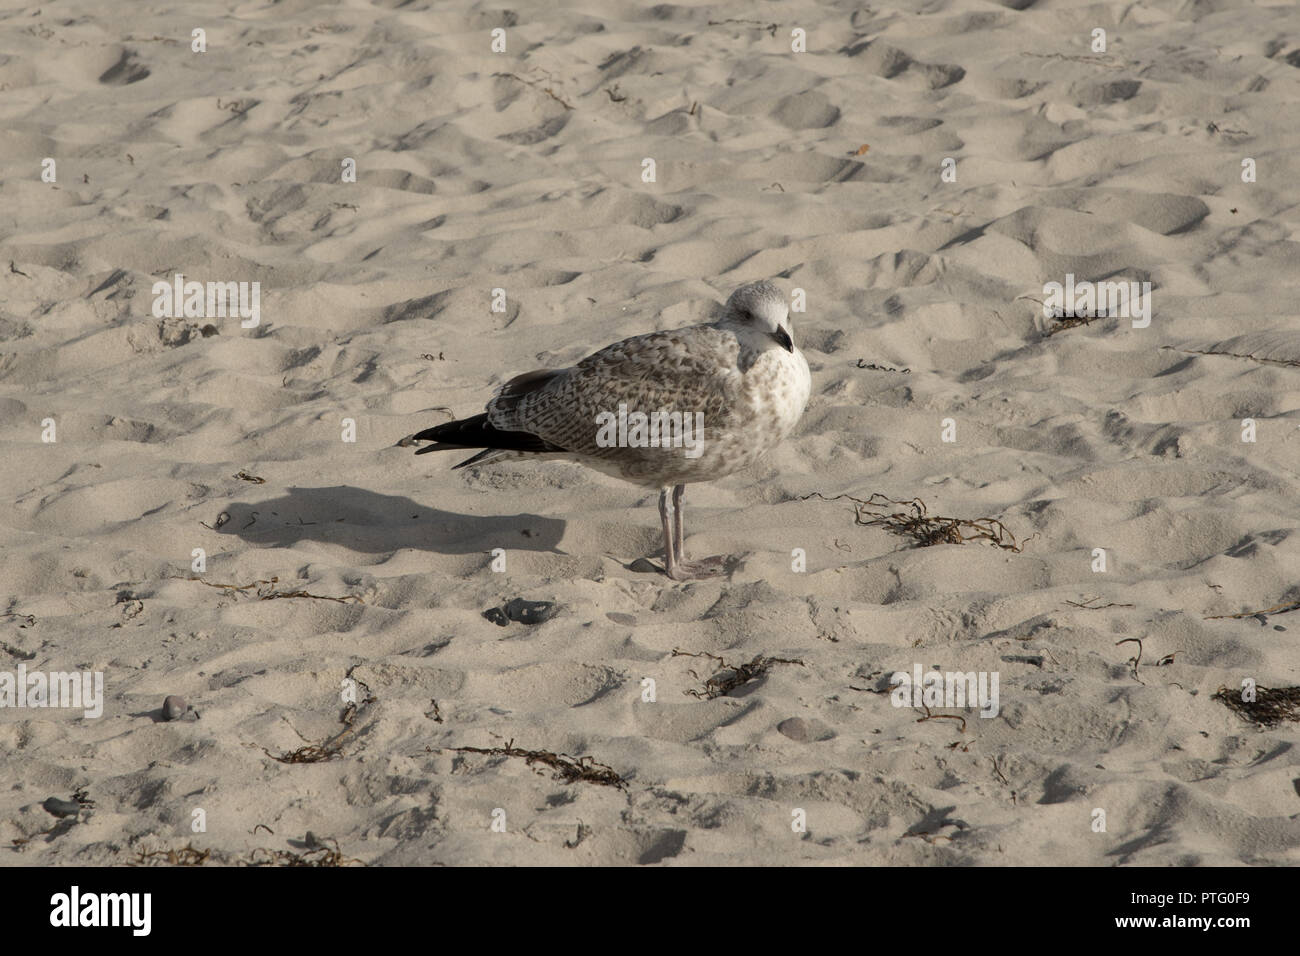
(1133, 662)
(267, 595)
(28, 620)
(17, 652)
(1088, 604)
(1270, 707)
(1064, 322)
(536, 84)
(723, 683)
(998, 770)
(1282, 608)
(229, 587)
(1287, 363)
(1066, 319)
(1105, 61)
(307, 594)
(318, 855)
(316, 753)
(932, 716)
(584, 831)
(567, 768)
(185, 856)
(1003, 777)
(881, 368)
(923, 528)
(769, 27)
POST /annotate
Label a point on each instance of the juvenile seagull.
(741, 377)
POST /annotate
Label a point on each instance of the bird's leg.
(676, 566)
(679, 522)
(666, 516)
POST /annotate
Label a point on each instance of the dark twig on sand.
(333, 747)
(732, 675)
(1133, 661)
(1070, 322)
(931, 716)
(265, 595)
(535, 84)
(769, 27)
(567, 768)
(923, 528)
(1282, 608)
(1287, 363)
(1088, 604)
(881, 368)
(1108, 62)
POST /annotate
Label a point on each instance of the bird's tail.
(478, 432)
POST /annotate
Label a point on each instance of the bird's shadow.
(374, 523)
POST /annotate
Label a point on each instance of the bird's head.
(761, 307)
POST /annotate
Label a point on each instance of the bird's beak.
(783, 339)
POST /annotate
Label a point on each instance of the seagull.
(661, 410)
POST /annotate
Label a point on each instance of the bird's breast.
(776, 391)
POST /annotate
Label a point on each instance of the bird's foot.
(701, 568)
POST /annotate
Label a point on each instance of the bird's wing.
(685, 370)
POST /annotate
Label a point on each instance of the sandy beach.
(216, 506)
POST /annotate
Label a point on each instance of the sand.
(523, 171)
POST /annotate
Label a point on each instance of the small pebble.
(796, 728)
(530, 612)
(174, 708)
(61, 808)
(644, 566)
(525, 612)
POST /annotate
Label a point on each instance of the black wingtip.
(477, 432)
